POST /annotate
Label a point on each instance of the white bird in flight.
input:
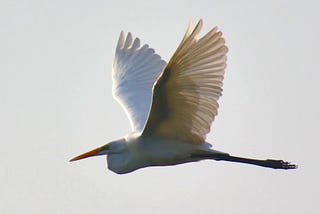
(170, 105)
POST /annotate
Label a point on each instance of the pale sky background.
(56, 102)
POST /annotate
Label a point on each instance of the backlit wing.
(135, 69)
(185, 95)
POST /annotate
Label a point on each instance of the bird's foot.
(280, 164)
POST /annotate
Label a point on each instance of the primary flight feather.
(170, 106)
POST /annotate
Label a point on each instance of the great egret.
(170, 106)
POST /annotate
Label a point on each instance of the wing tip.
(128, 41)
(120, 41)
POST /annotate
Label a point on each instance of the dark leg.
(275, 164)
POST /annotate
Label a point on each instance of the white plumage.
(170, 106)
(135, 69)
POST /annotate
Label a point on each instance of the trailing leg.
(270, 163)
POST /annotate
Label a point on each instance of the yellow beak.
(98, 151)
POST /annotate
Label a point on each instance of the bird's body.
(170, 105)
(134, 152)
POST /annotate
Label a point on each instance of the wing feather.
(135, 69)
(185, 95)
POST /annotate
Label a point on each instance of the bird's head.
(114, 147)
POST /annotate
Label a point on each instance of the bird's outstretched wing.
(185, 95)
(135, 69)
